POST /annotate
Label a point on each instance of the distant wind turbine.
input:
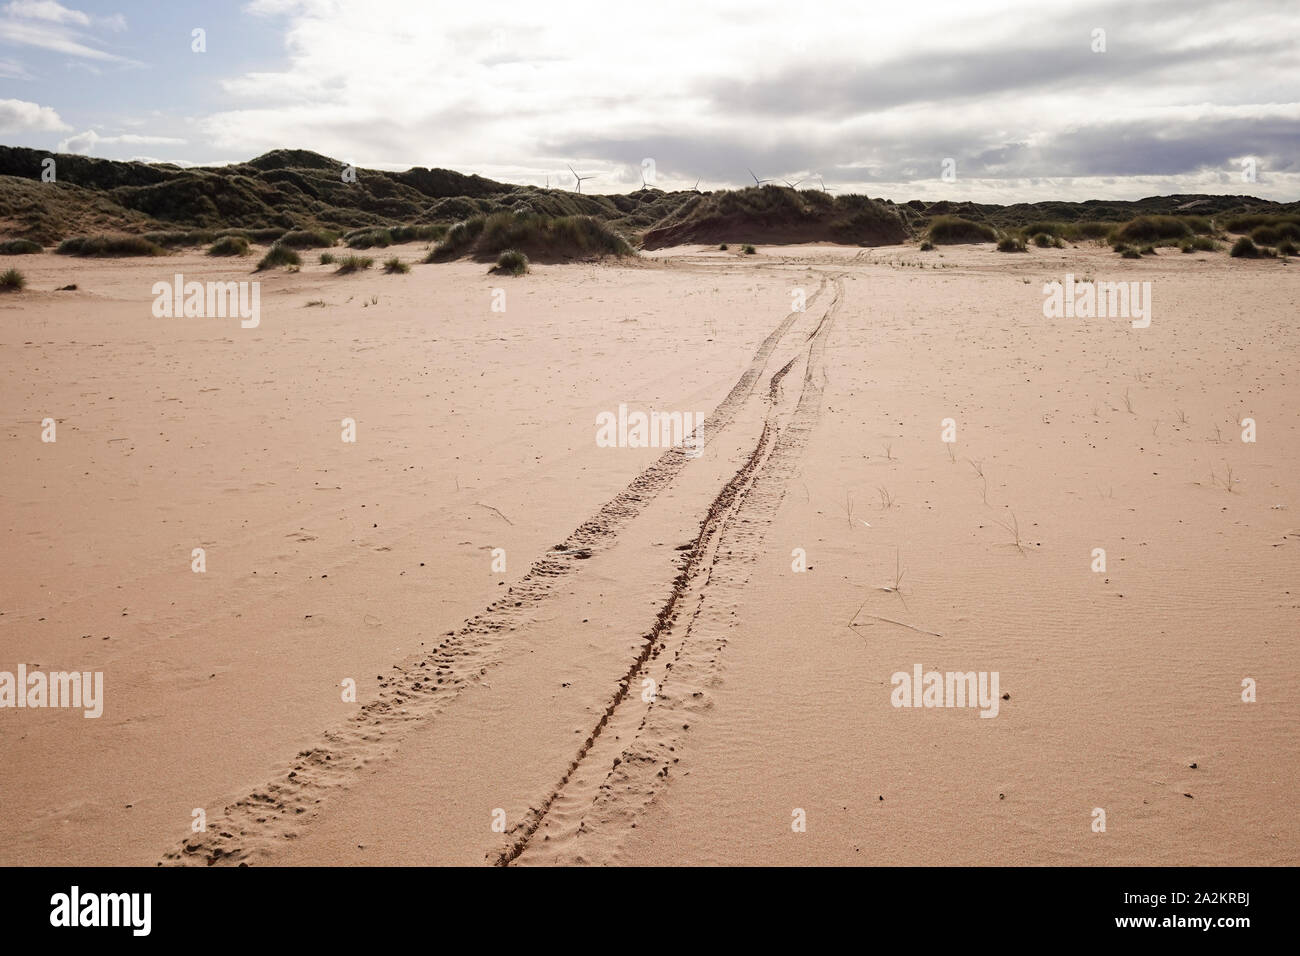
(580, 179)
(824, 189)
(757, 181)
(792, 185)
(696, 187)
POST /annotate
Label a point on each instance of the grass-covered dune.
(538, 237)
(777, 215)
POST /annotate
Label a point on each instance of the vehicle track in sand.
(418, 689)
(629, 754)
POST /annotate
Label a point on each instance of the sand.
(504, 716)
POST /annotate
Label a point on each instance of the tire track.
(585, 816)
(418, 689)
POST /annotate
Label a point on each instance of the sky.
(997, 101)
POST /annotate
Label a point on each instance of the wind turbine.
(824, 189)
(696, 187)
(580, 179)
(644, 185)
(757, 181)
(792, 185)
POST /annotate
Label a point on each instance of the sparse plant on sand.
(1011, 244)
(886, 498)
(395, 265)
(926, 245)
(1128, 403)
(349, 264)
(1013, 528)
(511, 262)
(748, 250)
(327, 259)
(278, 255)
(11, 280)
(723, 247)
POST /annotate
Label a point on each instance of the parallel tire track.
(419, 688)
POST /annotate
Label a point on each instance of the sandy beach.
(567, 653)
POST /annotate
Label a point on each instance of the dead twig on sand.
(890, 620)
(497, 510)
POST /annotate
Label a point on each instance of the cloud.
(13, 70)
(20, 116)
(47, 25)
(46, 10)
(90, 140)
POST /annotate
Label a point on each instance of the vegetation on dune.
(19, 247)
(1244, 248)
(748, 250)
(1273, 233)
(1012, 244)
(950, 230)
(327, 259)
(926, 245)
(109, 246)
(1246, 222)
(277, 256)
(395, 265)
(539, 237)
(1198, 244)
(1149, 229)
(229, 246)
(1288, 248)
(307, 239)
(11, 280)
(511, 262)
(779, 214)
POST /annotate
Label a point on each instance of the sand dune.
(649, 680)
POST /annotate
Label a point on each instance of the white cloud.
(89, 140)
(20, 116)
(46, 10)
(47, 25)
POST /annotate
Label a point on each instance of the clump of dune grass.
(19, 247)
(926, 245)
(511, 262)
(1246, 222)
(279, 255)
(1244, 248)
(1198, 244)
(306, 239)
(109, 246)
(422, 233)
(748, 250)
(11, 280)
(949, 230)
(1148, 250)
(229, 246)
(723, 247)
(1011, 244)
(327, 259)
(395, 265)
(1152, 229)
(173, 238)
(350, 264)
(1128, 252)
(1288, 248)
(1044, 240)
(369, 239)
